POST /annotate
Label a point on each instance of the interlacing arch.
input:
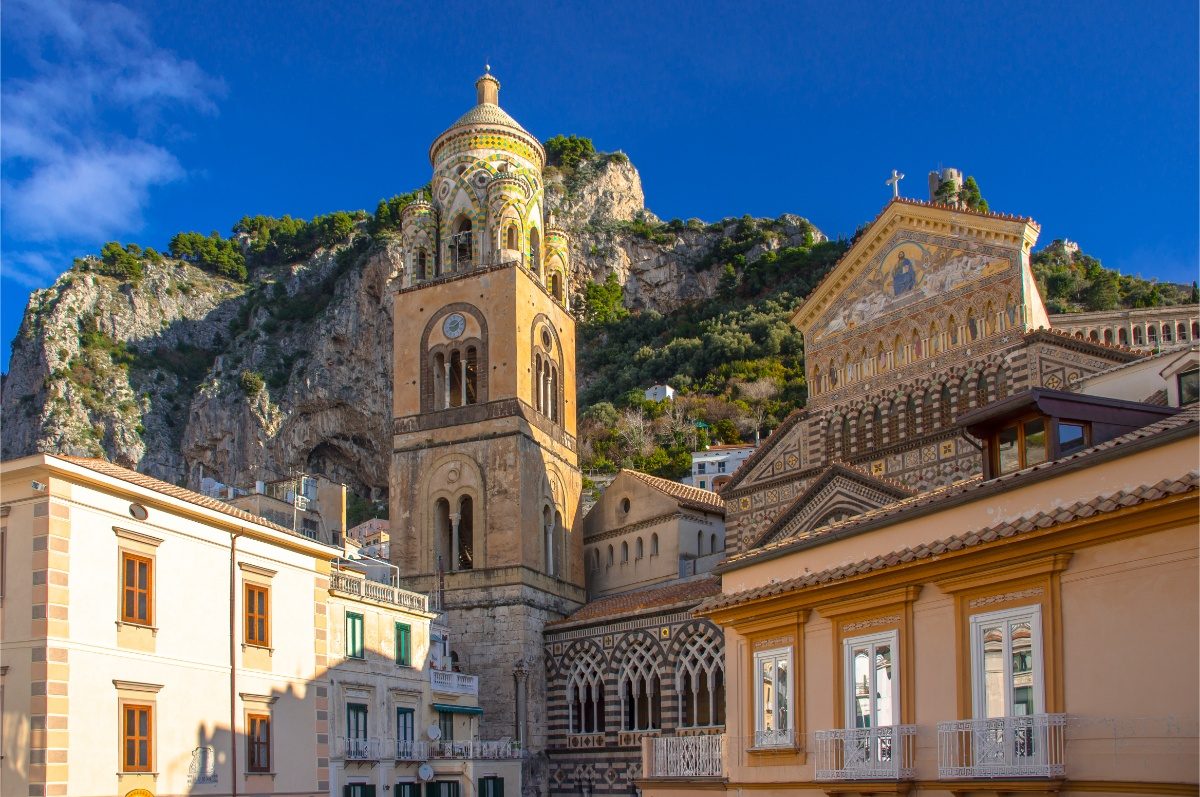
(640, 686)
(700, 679)
(917, 409)
(585, 692)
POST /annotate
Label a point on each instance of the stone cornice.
(641, 524)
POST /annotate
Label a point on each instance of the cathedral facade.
(933, 312)
(485, 483)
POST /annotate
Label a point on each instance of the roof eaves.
(1177, 426)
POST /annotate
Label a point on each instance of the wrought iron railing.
(1003, 747)
(780, 737)
(684, 756)
(887, 752)
(353, 748)
(454, 683)
(475, 749)
(375, 590)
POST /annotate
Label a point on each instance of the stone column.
(447, 396)
(454, 519)
(520, 674)
(463, 366)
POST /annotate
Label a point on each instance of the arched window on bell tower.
(535, 252)
(443, 534)
(546, 371)
(460, 245)
(454, 369)
(511, 237)
(548, 554)
(466, 533)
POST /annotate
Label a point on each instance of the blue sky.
(135, 121)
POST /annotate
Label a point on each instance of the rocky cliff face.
(186, 374)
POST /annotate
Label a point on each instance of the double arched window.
(456, 377)
(547, 372)
(455, 523)
(455, 370)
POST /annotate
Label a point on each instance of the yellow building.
(155, 638)
(1007, 634)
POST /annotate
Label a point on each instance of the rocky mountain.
(181, 372)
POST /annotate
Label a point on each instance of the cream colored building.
(646, 530)
(156, 639)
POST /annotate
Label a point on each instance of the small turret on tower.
(943, 177)
(487, 88)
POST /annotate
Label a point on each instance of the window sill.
(153, 629)
(137, 774)
(252, 773)
(270, 651)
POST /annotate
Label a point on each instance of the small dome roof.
(487, 113)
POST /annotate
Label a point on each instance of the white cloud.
(33, 269)
(79, 150)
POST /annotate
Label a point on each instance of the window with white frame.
(1006, 662)
(872, 681)
(773, 698)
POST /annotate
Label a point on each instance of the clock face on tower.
(454, 325)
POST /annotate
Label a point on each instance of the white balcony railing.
(360, 749)
(453, 683)
(684, 756)
(779, 737)
(384, 593)
(887, 752)
(477, 749)
(1002, 747)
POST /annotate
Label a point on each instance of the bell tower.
(485, 483)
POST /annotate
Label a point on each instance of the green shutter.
(403, 644)
(354, 635)
(491, 787)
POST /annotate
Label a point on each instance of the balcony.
(453, 683)
(353, 748)
(778, 738)
(684, 756)
(1003, 747)
(477, 750)
(887, 752)
(357, 587)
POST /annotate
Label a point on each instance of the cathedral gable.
(838, 493)
(910, 269)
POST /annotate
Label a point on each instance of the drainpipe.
(233, 744)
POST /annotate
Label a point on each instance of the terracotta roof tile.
(157, 485)
(1188, 417)
(686, 495)
(1189, 482)
(693, 590)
